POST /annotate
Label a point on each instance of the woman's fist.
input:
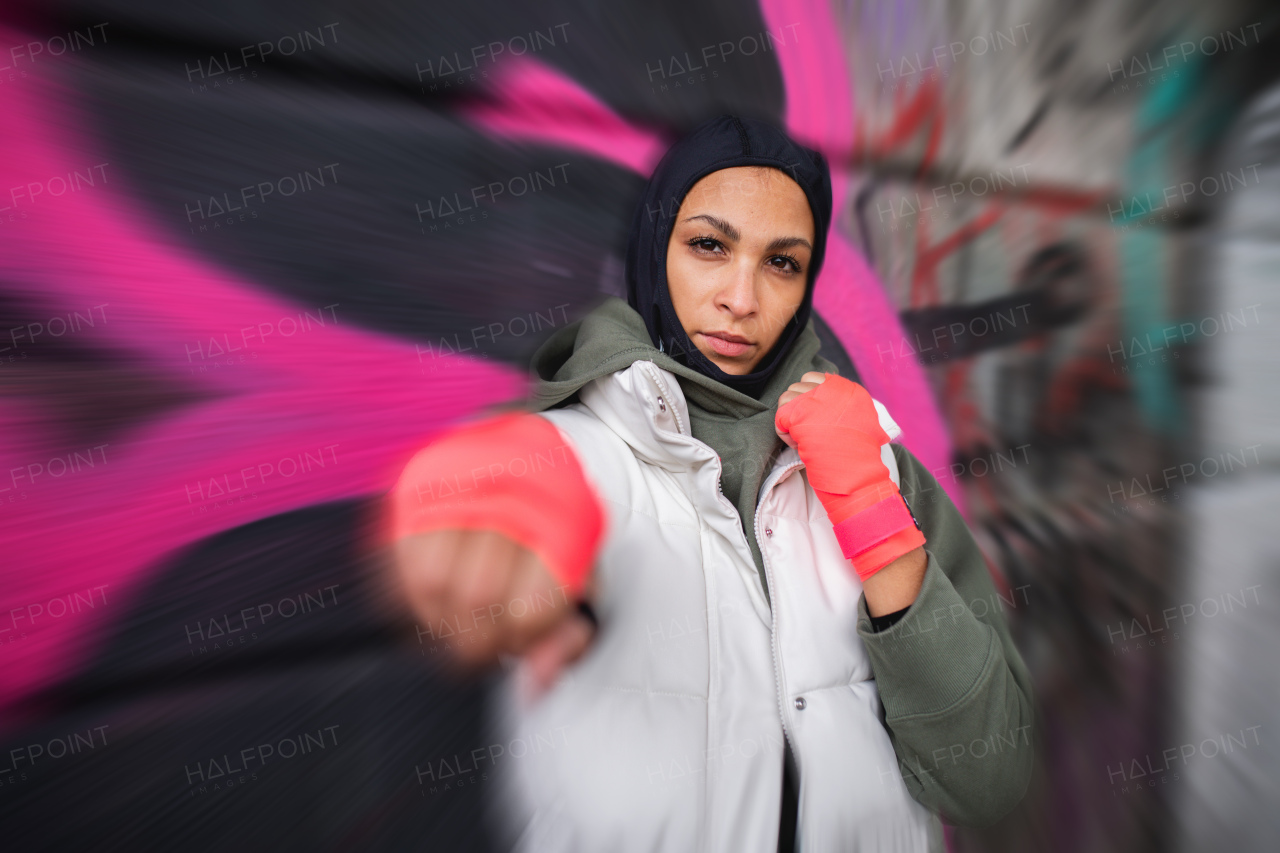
(808, 382)
(484, 596)
(835, 427)
(495, 528)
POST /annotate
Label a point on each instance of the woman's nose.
(739, 292)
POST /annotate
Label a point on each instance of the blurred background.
(254, 254)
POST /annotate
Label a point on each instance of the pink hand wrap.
(514, 474)
(838, 435)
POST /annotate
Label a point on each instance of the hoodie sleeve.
(956, 694)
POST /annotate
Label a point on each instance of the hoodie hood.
(722, 143)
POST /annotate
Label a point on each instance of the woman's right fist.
(477, 594)
(495, 528)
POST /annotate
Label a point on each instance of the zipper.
(773, 479)
(773, 613)
(663, 393)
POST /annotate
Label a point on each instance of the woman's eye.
(705, 244)
(785, 263)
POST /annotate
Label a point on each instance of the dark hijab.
(722, 143)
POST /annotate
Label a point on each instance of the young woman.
(787, 653)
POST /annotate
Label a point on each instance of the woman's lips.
(726, 347)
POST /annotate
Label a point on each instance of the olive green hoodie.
(738, 427)
(956, 694)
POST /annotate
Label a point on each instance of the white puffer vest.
(668, 734)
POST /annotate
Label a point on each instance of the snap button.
(800, 703)
(768, 531)
(662, 406)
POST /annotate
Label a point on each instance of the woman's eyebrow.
(781, 243)
(718, 224)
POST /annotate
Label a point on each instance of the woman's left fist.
(835, 427)
(808, 382)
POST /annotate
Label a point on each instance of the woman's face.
(737, 263)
